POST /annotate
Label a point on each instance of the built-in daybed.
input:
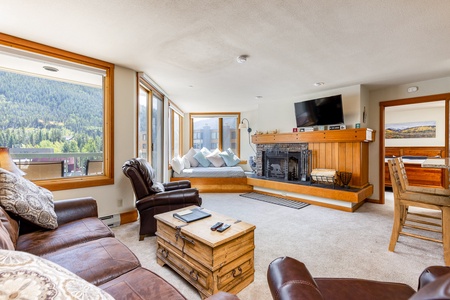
(213, 177)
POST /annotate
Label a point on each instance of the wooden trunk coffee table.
(211, 261)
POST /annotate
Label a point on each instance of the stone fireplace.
(285, 162)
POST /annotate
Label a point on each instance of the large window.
(176, 131)
(150, 124)
(215, 130)
(56, 112)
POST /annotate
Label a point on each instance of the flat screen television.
(318, 112)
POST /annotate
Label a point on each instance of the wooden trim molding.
(128, 217)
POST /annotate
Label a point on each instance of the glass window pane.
(143, 124)
(229, 133)
(53, 125)
(205, 132)
(176, 135)
(157, 137)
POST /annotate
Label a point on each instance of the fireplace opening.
(287, 165)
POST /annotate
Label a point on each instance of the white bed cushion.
(190, 156)
(215, 158)
(177, 164)
(186, 162)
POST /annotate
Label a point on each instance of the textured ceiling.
(189, 47)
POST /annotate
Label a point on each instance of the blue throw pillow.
(202, 160)
(230, 158)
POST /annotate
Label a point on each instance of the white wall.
(108, 196)
(426, 88)
(281, 115)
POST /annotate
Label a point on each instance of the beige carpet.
(330, 242)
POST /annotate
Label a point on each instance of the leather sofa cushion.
(10, 225)
(140, 284)
(96, 261)
(349, 288)
(47, 241)
(5, 239)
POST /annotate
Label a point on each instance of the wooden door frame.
(415, 100)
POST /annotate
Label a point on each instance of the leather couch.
(85, 246)
(289, 278)
(153, 197)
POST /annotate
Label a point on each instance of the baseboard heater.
(111, 220)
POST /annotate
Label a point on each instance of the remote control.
(215, 226)
(223, 228)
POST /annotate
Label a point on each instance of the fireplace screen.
(286, 165)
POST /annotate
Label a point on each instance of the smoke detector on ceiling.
(242, 59)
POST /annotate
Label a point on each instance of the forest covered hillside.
(38, 112)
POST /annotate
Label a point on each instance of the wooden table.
(211, 261)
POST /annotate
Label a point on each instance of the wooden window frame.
(218, 115)
(173, 109)
(67, 183)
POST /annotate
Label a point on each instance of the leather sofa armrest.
(176, 185)
(431, 273)
(69, 210)
(290, 279)
(222, 296)
(437, 289)
(183, 196)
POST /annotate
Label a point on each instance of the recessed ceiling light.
(50, 69)
(413, 89)
(258, 97)
(242, 59)
(319, 83)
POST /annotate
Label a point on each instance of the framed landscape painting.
(411, 130)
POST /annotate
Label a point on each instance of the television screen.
(321, 111)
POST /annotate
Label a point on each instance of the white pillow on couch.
(26, 276)
(190, 156)
(215, 159)
(177, 164)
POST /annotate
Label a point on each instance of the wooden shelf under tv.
(321, 136)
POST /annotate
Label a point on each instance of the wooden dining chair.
(420, 189)
(422, 221)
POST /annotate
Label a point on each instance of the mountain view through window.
(46, 120)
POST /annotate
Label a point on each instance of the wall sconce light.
(242, 125)
(7, 163)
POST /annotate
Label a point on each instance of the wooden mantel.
(322, 136)
(342, 150)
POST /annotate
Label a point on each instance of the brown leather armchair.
(290, 279)
(153, 197)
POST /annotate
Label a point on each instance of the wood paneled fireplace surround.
(342, 150)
